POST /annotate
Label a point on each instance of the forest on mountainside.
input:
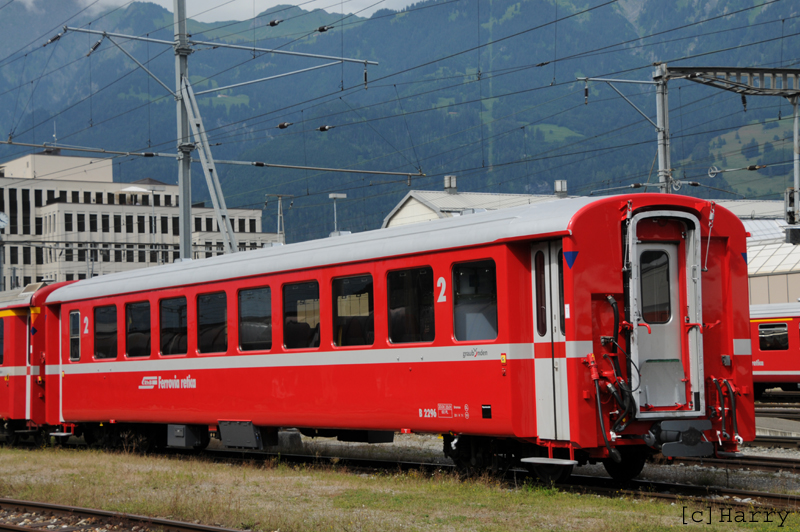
(482, 89)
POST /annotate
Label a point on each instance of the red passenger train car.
(775, 330)
(580, 330)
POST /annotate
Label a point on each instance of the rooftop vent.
(450, 184)
(560, 188)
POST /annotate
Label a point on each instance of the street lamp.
(334, 197)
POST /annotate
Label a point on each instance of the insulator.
(284, 125)
(744, 102)
(323, 29)
(325, 128)
(275, 22)
(94, 47)
(53, 39)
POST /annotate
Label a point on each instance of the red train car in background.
(581, 330)
(775, 331)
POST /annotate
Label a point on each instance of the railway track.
(24, 516)
(782, 412)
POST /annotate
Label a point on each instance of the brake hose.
(722, 408)
(732, 399)
(615, 336)
(613, 453)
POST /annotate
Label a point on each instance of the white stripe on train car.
(776, 373)
(18, 371)
(579, 349)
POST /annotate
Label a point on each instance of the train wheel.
(12, 438)
(632, 463)
(41, 438)
(61, 440)
(551, 474)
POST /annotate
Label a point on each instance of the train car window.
(173, 326)
(353, 311)
(541, 300)
(255, 319)
(2, 339)
(105, 332)
(655, 286)
(773, 337)
(411, 316)
(212, 323)
(75, 335)
(137, 329)
(301, 315)
(475, 300)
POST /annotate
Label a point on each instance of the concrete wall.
(777, 288)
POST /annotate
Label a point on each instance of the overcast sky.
(213, 10)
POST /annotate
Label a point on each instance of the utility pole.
(662, 127)
(281, 226)
(185, 147)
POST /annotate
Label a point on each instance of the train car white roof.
(775, 310)
(19, 297)
(446, 233)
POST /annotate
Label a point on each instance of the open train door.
(665, 310)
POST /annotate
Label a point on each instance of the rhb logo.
(148, 383)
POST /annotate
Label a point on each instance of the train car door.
(665, 309)
(550, 377)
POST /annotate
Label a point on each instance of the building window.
(212, 323)
(145, 200)
(168, 200)
(164, 225)
(105, 254)
(98, 198)
(301, 315)
(117, 253)
(242, 223)
(129, 223)
(475, 300)
(81, 223)
(129, 253)
(156, 200)
(173, 326)
(81, 276)
(142, 256)
(411, 309)
(255, 319)
(26, 255)
(209, 253)
(37, 197)
(26, 211)
(141, 224)
(137, 329)
(87, 197)
(51, 196)
(39, 221)
(12, 211)
(176, 253)
(176, 226)
(209, 225)
(70, 277)
(39, 256)
(92, 223)
(68, 253)
(76, 196)
(81, 253)
(68, 222)
(252, 225)
(773, 337)
(110, 198)
(353, 317)
(13, 257)
(26, 280)
(117, 223)
(198, 225)
(104, 221)
(105, 332)
(74, 333)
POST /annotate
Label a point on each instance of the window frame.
(284, 316)
(128, 322)
(239, 321)
(419, 307)
(335, 314)
(775, 326)
(161, 326)
(454, 303)
(74, 336)
(115, 334)
(197, 322)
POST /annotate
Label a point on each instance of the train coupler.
(680, 438)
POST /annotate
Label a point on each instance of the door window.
(475, 300)
(655, 287)
(773, 337)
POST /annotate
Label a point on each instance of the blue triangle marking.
(33, 331)
(570, 256)
(744, 256)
